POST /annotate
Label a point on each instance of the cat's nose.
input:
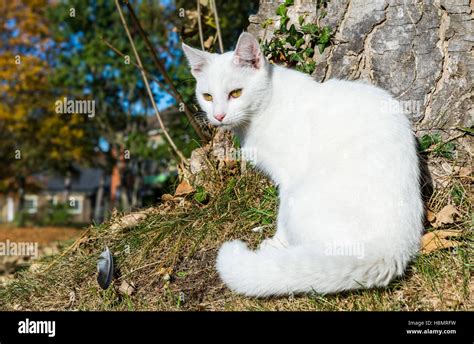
(219, 117)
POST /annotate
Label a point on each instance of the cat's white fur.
(344, 158)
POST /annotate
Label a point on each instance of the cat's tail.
(300, 269)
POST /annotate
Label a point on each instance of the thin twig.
(442, 129)
(201, 35)
(218, 26)
(159, 65)
(151, 76)
(147, 85)
(119, 53)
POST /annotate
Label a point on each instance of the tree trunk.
(98, 209)
(21, 192)
(137, 182)
(419, 50)
(67, 187)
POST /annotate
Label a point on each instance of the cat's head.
(230, 87)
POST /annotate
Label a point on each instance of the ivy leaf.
(325, 35)
(321, 47)
(291, 40)
(299, 42)
(201, 195)
(310, 67)
(426, 141)
(292, 30)
(296, 57)
(309, 51)
(283, 22)
(446, 150)
(282, 10)
(310, 29)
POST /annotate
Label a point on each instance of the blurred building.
(79, 193)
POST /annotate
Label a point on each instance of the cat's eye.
(207, 97)
(236, 93)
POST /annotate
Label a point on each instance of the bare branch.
(147, 85)
(159, 65)
(218, 26)
(201, 35)
(118, 52)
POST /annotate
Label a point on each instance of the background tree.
(87, 67)
(33, 136)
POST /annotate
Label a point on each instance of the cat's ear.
(247, 52)
(197, 59)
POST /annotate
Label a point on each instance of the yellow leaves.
(27, 106)
(54, 154)
(64, 137)
(30, 20)
(438, 240)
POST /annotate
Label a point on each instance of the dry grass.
(169, 258)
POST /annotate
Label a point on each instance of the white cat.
(344, 158)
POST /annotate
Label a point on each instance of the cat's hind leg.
(280, 239)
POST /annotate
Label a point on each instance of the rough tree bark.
(419, 50)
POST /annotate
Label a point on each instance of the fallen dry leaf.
(445, 216)
(184, 188)
(430, 216)
(129, 220)
(465, 171)
(126, 288)
(438, 240)
(167, 197)
(165, 271)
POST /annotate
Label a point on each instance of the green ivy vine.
(295, 46)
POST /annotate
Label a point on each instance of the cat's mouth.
(227, 126)
(223, 125)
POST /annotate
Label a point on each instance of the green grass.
(169, 257)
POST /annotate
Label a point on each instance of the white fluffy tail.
(300, 269)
